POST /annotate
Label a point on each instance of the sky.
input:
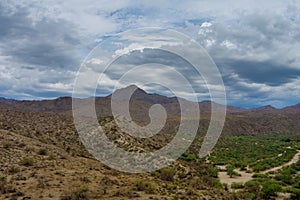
(254, 44)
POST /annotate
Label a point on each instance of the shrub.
(167, 174)
(297, 185)
(78, 194)
(252, 186)
(13, 169)
(295, 193)
(231, 172)
(51, 156)
(27, 161)
(188, 157)
(28, 149)
(43, 152)
(83, 188)
(237, 185)
(6, 145)
(2, 178)
(213, 171)
(249, 195)
(259, 176)
(216, 183)
(269, 190)
(145, 186)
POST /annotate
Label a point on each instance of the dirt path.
(294, 160)
(224, 178)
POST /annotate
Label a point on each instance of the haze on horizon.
(254, 44)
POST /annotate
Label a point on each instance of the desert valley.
(42, 156)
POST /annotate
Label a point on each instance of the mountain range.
(266, 119)
(64, 104)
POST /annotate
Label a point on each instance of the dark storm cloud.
(153, 56)
(45, 43)
(268, 73)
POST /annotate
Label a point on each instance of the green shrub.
(145, 186)
(188, 157)
(295, 193)
(231, 172)
(167, 174)
(217, 183)
(285, 178)
(27, 161)
(259, 176)
(243, 166)
(213, 171)
(235, 185)
(249, 195)
(297, 185)
(269, 190)
(252, 186)
(83, 188)
(2, 178)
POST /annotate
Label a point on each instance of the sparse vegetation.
(27, 161)
(167, 174)
(146, 186)
(237, 185)
(188, 157)
(36, 156)
(6, 145)
(43, 152)
(79, 193)
(2, 178)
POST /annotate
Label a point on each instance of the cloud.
(255, 44)
(45, 43)
(266, 72)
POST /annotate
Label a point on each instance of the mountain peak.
(130, 89)
(133, 90)
(264, 108)
(268, 107)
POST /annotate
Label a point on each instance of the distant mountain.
(292, 109)
(264, 108)
(58, 105)
(141, 95)
(140, 102)
(265, 119)
(7, 101)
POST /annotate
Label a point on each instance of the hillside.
(42, 156)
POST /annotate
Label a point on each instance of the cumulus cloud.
(255, 44)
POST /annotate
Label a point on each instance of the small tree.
(230, 171)
(269, 190)
(252, 186)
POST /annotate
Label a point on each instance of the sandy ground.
(224, 178)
